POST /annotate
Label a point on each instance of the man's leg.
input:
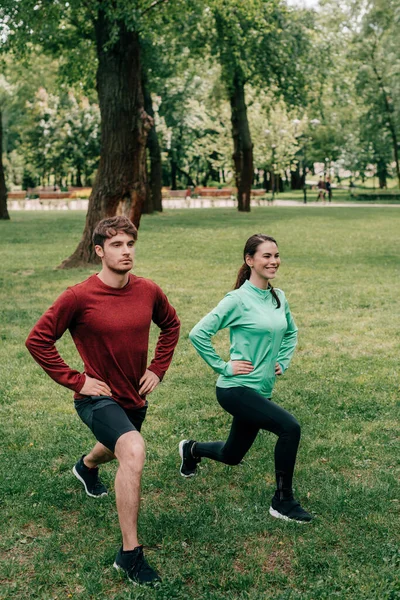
(98, 456)
(130, 452)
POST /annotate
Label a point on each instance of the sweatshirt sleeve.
(226, 314)
(41, 341)
(289, 341)
(165, 317)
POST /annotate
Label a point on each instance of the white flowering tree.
(63, 136)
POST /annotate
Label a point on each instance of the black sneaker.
(289, 509)
(136, 567)
(189, 462)
(90, 479)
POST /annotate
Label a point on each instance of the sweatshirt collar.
(113, 290)
(254, 289)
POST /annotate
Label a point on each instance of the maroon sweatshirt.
(110, 328)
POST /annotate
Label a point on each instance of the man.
(109, 317)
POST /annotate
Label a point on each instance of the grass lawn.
(211, 537)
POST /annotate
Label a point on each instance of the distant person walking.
(263, 337)
(321, 190)
(328, 187)
(109, 317)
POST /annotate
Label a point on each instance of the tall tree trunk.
(234, 81)
(153, 146)
(265, 180)
(382, 173)
(242, 144)
(174, 171)
(120, 184)
(78, 175)
(390, 120)
(3, 189)
(296, 178)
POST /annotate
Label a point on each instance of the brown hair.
(107, 228)
(249, 250)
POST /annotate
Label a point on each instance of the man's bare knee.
(130, 450)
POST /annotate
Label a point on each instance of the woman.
(263, 337)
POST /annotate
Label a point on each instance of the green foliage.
(338, 66)
(64, 134)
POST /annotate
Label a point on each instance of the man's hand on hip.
(148, 382)
(94, 387)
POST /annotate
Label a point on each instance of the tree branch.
(153, 5)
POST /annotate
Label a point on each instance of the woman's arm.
(289, 341)
(224, 315)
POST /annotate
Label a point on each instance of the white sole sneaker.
(75, 472)
(181, 455)
(121, 569)
(277, 515)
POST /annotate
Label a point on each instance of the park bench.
(174, 193)
(208, 192)
(54, 195)
(17, 195)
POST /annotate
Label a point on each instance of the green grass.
(212, 537)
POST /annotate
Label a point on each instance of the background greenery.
(212, 537)
(321, 86)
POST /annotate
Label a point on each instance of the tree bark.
(78, 175)
(154, 202)
(242, 144)
(3, 189)
(120, 184)
(174, 171)
(297, 179)
(390, 121)
(382, 173)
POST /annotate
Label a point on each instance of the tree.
(5, 93)
(62, 136)
(255, 43)
(366, 66)
(193, 123)
(378, 77)
(3, 189)
(110, 31)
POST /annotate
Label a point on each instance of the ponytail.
(275, 295)
(242, 276)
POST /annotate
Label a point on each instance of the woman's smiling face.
(265, 262)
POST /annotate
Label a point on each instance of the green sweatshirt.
(259, 332)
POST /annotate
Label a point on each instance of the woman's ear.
(249, 261)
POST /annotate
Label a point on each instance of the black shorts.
(107, 419)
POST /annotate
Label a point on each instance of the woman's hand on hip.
(241, 367)
(278, 369)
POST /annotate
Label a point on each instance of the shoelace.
(92, 477)
(140, 564)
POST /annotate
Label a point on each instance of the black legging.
(251, 411)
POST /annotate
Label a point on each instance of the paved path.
(332, 204)
(179, 203)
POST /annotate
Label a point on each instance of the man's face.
(118, 253)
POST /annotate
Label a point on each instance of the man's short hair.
(107, 228)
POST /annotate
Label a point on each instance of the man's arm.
(41, 342)
(165, 317)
